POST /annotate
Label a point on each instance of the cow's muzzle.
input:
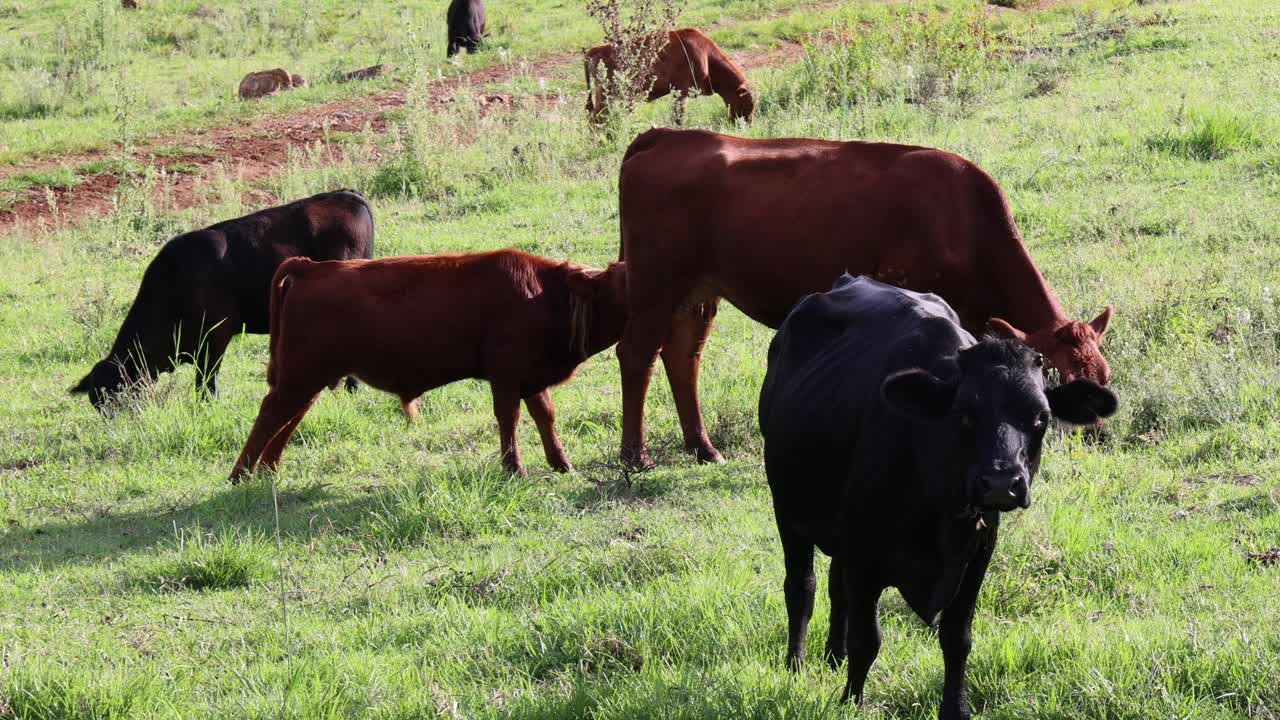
(1005, 491)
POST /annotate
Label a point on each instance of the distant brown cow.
(407, 325)
(764, 222)
(690, 63)
(129, 4)
(267, 82)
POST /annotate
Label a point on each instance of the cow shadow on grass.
(99, 533)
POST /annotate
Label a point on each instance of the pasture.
(398, 572)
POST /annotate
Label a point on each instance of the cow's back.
(329, 226)
(765, 222)
(820, 407)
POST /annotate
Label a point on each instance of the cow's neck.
(1026, 300)
(725, 82)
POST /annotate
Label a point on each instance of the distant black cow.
(467, 26)
(205, 287)
(893, 441)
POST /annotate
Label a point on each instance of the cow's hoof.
(637, 458)
(708, 455)
(562, 466)
(835, 658)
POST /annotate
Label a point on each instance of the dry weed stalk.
(637, 30)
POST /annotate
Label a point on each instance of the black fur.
(205, 287)
(893, 441)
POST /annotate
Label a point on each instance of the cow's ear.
(919, 394)
(583, 283)
(1001, 329)
(1081, 402)
(1103, 321)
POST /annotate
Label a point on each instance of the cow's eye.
(1038, 361)
(1041, 420)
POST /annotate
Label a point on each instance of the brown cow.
(407, 325)
(690, 63)
(764, 222)
(266, 82)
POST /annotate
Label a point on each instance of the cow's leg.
(208, 356)
(506, 408)
(275, 448)
(955, 633)
(280, 408)
(837, 639)
(544, 416)
(682, 358)
(637, 350)
(797, 589)
(863, 637)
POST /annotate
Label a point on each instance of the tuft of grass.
(1208, 136)
(458, 501)
(111, 166)
(35, 691)
(201, 560)
(907, 57)
(61, 177)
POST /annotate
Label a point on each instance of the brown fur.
(690, 63)
(765, 222)
(266, 82)
(129, 4)
(407, 325)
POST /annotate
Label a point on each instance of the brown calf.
(762, 223)
(268, 82)
(690, 63)
(407, 325)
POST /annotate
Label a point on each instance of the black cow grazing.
(467, 26)
(205, 287)
(893, 441)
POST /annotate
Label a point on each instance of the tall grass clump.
(202, 560)
(35, 691)
(1210, 135)
(909, 57)
(459, 501)
(637, 30)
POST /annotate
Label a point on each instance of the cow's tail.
(279, 289)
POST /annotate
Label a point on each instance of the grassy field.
(84, 74)
(393, 572)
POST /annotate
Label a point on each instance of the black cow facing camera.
(893, 442)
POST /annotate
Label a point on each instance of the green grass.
(413, 579)
(82, 74)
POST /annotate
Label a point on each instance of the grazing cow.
(267, 82)
(204, 287)
(129, 4)
(892, 442)
(763, 222)
(467, 26)
(689, 63)
(407, 325)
